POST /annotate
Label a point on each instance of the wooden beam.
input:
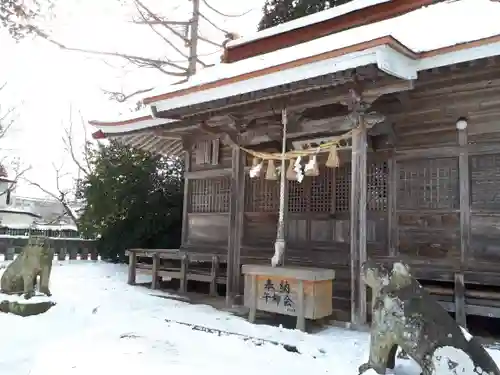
(233, 287)
(460, 307)
(187, 192)
(358, 222)
(464, 178)
(392, 219)
(208, 173)
(295, 103)
(465, 229)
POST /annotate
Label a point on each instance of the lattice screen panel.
(343, 188)
(261, 195)
(209, 195)
(428, 184)
(322, 190)
(485, 182)
(377, 178)
(297, 196)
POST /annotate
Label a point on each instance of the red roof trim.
(123, 122)
(359, 17)
(99, 134)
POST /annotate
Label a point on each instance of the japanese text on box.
(281, 296)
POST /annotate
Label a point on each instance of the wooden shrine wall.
(443, 174)
(416, 191)
(317, 217)
(208, 197)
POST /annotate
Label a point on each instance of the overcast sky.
(44, 81)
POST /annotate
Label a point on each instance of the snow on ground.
(101, 325)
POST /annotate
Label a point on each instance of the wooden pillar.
(132, 264)
(358, 222)
(463, 169)
(392, 219)
(185, 205)
(233, 286)
(460, 315)
(155, 269)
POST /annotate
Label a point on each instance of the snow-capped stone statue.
(405, 315)
(35, 260)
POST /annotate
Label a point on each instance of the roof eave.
(387, 58)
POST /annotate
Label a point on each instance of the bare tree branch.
(13, 180)
(160, 22)
(61, 196)
(140, 5)
(18, 169)
(213, 24)
(151, 26)
(121, 97)
(137, 60)
(186, 31)
(69, 145)
(223, 14)
(209, 41)
(150, 17)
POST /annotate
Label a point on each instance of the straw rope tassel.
(291, 174)
(271, 170)
(333, 158)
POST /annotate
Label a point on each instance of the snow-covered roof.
(400, 46)
(422, 30)
(19, 211)
(307, 21)
(141, 119)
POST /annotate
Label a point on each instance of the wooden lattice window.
(376, 180)
(485, 182)
(209, 195)
(313, 194)
(377, 177)
(343, 188)
(428, 184)
(207, 152)
(321, 194)
(261, 195)
(298, 195)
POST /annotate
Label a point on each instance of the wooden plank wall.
(208, 197)
(415, 208)
(440, 224)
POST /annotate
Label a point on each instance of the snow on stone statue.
(21, 275)
(405, 315)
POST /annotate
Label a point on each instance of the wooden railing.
(177, 264)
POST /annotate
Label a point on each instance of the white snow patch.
(466, 333)
(448, 360)
(400, 269)
(101, 325)
(20, 299)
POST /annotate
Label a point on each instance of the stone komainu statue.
(35, 260)
(405, 315)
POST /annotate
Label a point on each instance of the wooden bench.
(178, 264)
